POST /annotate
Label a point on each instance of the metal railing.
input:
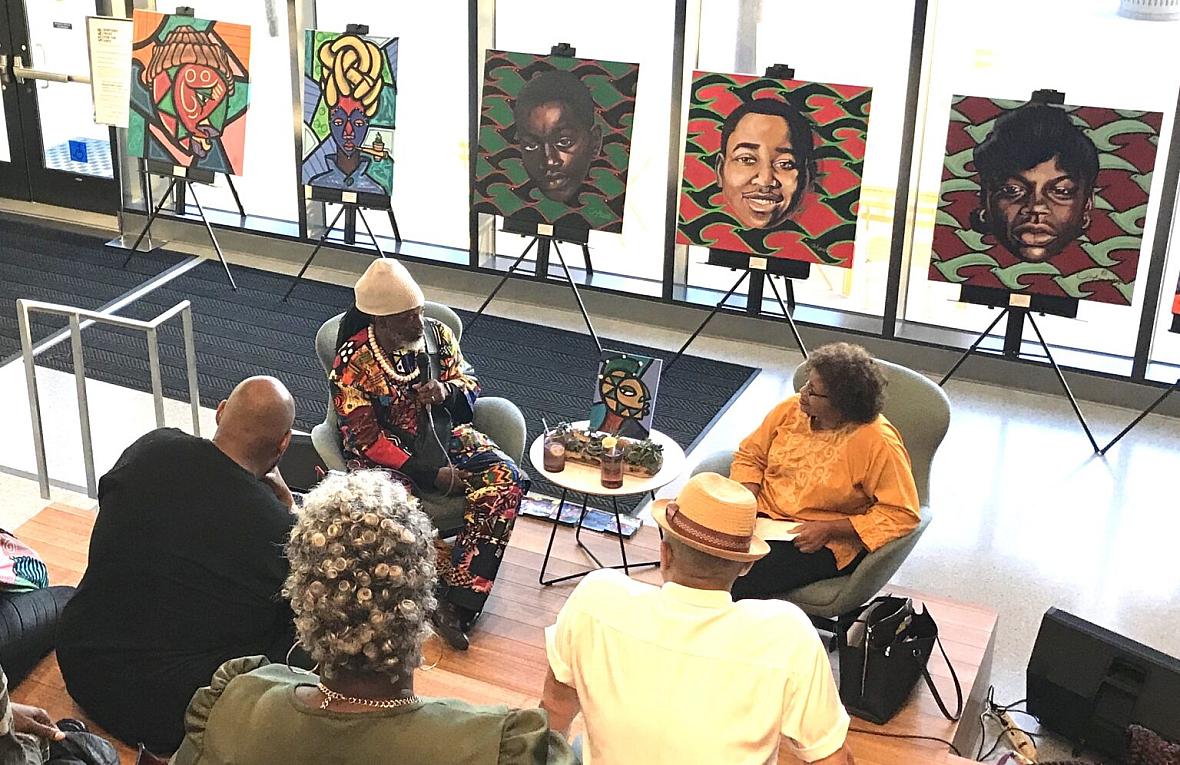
(150, 328)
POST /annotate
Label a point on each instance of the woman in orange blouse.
(827, 459)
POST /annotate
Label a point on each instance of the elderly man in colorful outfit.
(405, 399)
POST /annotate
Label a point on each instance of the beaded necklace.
(388, 367)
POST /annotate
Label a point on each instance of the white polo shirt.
(679, 675)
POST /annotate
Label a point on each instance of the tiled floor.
(1026, 518)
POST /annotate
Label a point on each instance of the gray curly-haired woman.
(361, 585)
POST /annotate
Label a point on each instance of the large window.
(987, 54)
(1005, 51)
(874, 51)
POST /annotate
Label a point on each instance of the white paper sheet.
(776, 531)
(110, 69)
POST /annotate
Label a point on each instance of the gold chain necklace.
(331, 695)
(387, 366)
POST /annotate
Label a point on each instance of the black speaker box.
(1088, 684)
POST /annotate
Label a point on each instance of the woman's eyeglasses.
(809, 391)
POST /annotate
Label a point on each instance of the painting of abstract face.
(349, 110)
(1044, 199)
(190, 90)
(555, 139)
(1176, 310)
(773, 167)
(625, 394)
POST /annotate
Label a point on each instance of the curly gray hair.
(362, 575)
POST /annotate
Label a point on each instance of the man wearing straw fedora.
(682, 673)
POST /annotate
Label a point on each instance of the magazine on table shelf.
(596, 520)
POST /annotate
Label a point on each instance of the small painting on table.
(625, 394)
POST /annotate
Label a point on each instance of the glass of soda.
(612, 463)
(554, 454)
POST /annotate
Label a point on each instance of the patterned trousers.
(467, 569)
(493, 496)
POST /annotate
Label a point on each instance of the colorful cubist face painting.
(773, 167)
(1176, 310)
(625, 394)
(555, 139)
(349, 106)
(190, 87)
(1044, 200)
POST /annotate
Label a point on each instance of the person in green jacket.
(362, 582)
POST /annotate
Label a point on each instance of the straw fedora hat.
(714, 515)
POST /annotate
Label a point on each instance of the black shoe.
(448, 625)
(467, 618)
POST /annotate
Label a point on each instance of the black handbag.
(884, 648)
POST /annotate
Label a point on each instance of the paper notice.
(110, 68)
(771, 530)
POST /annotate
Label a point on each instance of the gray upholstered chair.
(498, 418)
(921, 412)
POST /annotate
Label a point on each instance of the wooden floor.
(506, 662)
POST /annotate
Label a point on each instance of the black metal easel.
(759, 270)
(1154, 405)
(1142, 415)
(351, 210)
(182, 180)
(1014, 335)
(545, 237)
(352, 206)
(1018, 307)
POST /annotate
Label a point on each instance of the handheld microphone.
(423, 367)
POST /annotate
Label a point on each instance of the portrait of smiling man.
(766, 162)
(1037, 171)
(556, 133)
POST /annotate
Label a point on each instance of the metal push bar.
(150, 328)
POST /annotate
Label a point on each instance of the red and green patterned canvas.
(566, 163)
(1061, 236)
(784, 214)
(190, 89)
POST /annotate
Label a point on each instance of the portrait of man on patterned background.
(1044, 199)
(555, 139)
(773, 167)
(1036, 175)
(556, 133)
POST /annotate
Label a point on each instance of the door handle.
(41, 55)
(22, 73)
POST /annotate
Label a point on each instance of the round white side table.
(580, 478)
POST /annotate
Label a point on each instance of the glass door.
(51, 150)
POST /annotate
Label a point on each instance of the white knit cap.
(387, 288)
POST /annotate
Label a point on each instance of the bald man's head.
(254, 423)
